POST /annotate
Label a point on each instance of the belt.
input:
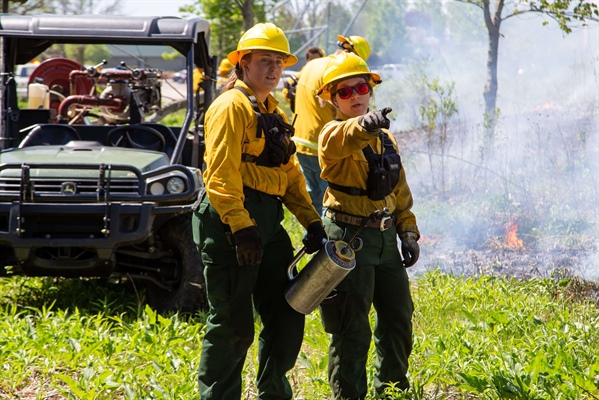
(338, 216)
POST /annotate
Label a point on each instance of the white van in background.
(392, 71)
(22, 73)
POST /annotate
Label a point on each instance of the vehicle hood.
(85, 154)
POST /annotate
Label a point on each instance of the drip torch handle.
(295, 260)
(298, 257)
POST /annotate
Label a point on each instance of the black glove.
(374, 121)
(409, 248)
(248, 246)
(314, 238)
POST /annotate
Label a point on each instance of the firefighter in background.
(224, 70)
(198, 77)
(250, 173)
(311, 114)
(360, 162)
(288, 91)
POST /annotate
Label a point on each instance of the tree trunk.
(80, 54)
(248, 14)
(493, 23)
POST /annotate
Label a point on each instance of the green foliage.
(87, 54)
(466, 23)
(566, 12)
(479, 337)
(283, 105)
(436, 112)
(228, 20)
(385, 38)
(512, 339)
(171, 55)
(75, 7)
(174, 119)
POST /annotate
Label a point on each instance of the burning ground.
(518, 200)
(529, 211)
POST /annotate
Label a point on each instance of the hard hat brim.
(343, 39)
(235, 56)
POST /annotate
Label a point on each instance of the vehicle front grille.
(82, 187)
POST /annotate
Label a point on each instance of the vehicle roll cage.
(24, 37)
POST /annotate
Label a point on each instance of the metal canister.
(325, 270)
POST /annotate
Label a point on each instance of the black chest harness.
(278, 147)
(383, 172)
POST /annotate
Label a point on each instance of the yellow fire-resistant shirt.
(310, 116)
(230, 130)
(198, 77)
(343, 162)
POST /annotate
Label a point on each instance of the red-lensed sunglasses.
(361, 88)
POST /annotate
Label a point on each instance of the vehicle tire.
(188, 289)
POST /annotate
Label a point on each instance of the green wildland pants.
(232, 290)
(378, 279)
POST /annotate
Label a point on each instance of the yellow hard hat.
(225, 67)
(343, 66)
(263, 36)
(357, 44)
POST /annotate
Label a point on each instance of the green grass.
(474, 338)
(487, 338)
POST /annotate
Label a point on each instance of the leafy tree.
(87, 54)
(304, 23)
(228, 20)
(317, 23)
(22, 7)
(75, 7)
(385, 38)
(84, 54)
(565, 12)
(321, 22)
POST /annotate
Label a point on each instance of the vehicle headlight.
(157, 188)
(169, 183)
(175, 185)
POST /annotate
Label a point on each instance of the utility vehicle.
(89, 187)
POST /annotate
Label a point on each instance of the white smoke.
(543, 172)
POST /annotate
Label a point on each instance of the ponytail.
(235, 75)
(232, 79)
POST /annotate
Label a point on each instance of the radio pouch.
(278, 146)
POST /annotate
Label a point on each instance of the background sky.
(153, 7)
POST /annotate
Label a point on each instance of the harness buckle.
(383, 220)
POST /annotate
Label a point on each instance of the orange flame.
(511, 234)
(432, 239)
